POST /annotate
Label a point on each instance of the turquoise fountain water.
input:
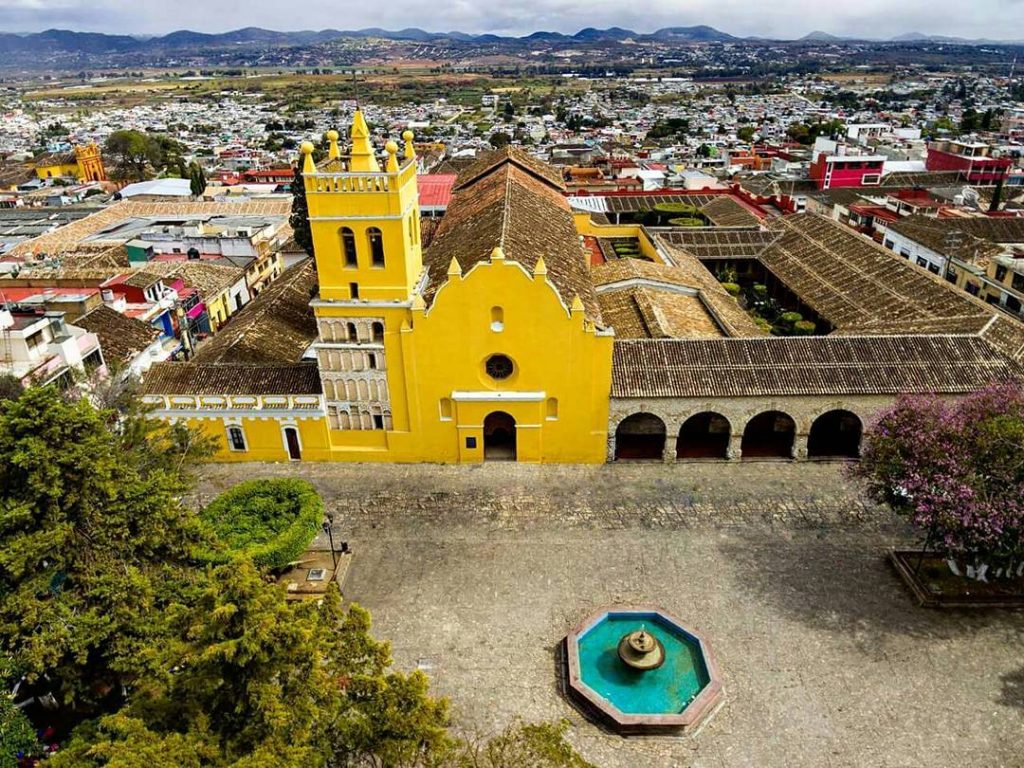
(665, 690)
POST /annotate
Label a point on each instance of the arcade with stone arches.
(751, 429)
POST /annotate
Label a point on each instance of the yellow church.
(485, 346)
(84, 164)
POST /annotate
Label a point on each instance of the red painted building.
(832, 169)
(973, 159)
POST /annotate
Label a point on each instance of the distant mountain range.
(92, 43)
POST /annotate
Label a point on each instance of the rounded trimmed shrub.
(686, 221)
(271, 521)
(733, 289)
(804, 328)
(675, 209)
(791, 318)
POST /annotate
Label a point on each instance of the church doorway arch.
(499, 437)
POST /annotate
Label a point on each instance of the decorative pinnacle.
(392, 150)
(410, 151)
(308, 166)
(497, 254)
(540, 268)
(577, 304)
(454, 269)
(333, 152)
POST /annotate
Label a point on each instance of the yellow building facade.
(84, 164)
(487, 346)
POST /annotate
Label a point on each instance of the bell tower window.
(348, 247)
(376, 241)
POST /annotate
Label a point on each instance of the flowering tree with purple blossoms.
(956, 470)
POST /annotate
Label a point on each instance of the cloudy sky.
(996, 19)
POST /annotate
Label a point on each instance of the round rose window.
(498, 367)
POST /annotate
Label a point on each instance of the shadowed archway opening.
(769, 435)
(640, 436)
(835, 435)
(499, 437)
(704, 436)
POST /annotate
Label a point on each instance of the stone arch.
(704, 435)
(769, 434)
(835, 434)
(640, 436)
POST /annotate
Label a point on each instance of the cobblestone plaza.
(475, 574)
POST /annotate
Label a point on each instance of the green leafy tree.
(746, 133)
(197, 180)
(17, 736)
(134, 153)
(92, 535)
(969, 120)
(500, 139)
(249, 679)
(525, 745)
(299, 218)
(10, 387)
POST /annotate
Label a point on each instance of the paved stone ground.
(476, 574)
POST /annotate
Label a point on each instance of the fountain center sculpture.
(641, 650)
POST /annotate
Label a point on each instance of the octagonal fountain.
(642, 671)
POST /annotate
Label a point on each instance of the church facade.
(504, 339)
(487, 348)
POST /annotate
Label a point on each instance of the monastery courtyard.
(475, 574)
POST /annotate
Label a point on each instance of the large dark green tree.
(197, 180)
(134, 153)
(246, 678)
(299, 218)
(91, 537)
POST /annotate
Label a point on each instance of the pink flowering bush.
(955, 469)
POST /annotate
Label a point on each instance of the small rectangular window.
(378, 421)
(236, 438)
(353, 289)
(471, 442)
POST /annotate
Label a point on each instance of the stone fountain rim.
(694, 713)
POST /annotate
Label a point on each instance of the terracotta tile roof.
(726, 211)
(209, 279)
(821, 365)
(962, 236)
(142, 279)
(275, 327)
(716, 243)
(491, 161)
(507, 204)
(121, 338)
(70, 236)
(862, 288)
(679, 316)
(229, 379)
(646, 312)
(943, 237)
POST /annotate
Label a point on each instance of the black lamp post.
(327, 526)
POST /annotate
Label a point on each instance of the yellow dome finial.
(308, 166)
(410, 150)
(392, 150)
(333, 153)
(497, 254)
(362, 158)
